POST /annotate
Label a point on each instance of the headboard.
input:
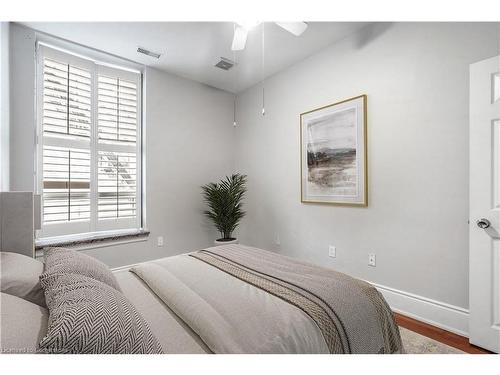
(17, 222)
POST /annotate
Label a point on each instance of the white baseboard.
(448, 317)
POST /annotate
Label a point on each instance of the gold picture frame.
(334, 153)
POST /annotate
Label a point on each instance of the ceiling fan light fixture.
(248, 24)
(239, 38)
(296, 28)
(241, 30)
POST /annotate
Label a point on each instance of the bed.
(235, 299)
(174, 335)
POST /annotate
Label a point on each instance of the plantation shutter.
(67, 93)
(118, 117)
(66, 184)
(65, 110)
(88, 145)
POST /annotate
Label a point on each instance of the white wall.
(416, 79)
(189, 138)
(4, 106)
(22, 108)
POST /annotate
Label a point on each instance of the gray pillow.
(87, 316)
(63, 261)
(19, 277)
(23, 325)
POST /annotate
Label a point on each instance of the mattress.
(174, 336)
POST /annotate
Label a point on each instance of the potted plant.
(224, 200)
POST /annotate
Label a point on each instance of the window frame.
(94, 227)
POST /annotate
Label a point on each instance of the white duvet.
(230, 315)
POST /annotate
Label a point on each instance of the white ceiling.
(190, 49)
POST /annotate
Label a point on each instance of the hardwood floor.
(438, 334)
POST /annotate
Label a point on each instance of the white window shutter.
(89, 168)
(66, 99)
(118, 151)
(117, 110)
(66, 184)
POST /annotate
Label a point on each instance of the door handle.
(483, 223)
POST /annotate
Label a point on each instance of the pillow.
(23, 325)
(19, 277)
(88, 316)
(62, 261)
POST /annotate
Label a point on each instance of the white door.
(484, 232)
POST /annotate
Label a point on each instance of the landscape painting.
(333, 154)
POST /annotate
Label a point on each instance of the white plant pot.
(220, 243)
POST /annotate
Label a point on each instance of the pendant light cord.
(235, 80)
(263, 66)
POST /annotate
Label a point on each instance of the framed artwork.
(334, 153)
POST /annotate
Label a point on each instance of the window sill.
(93, 240)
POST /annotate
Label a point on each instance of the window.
(89, 138)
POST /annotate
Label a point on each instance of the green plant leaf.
(224, 201)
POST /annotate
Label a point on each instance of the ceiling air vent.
(225, 64)
(149, 53)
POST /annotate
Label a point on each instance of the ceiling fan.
(241, 31)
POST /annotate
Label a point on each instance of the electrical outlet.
(372, 260)
(332, 251)
(160, 241)
(277, 240)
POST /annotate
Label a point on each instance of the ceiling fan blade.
(296, 28)
(239, 38)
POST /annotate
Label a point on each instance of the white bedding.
(174, 336)
(230, 315)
